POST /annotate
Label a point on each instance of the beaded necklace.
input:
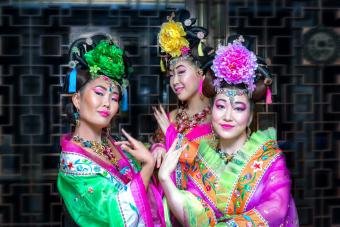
(186, 123)
(102, 148)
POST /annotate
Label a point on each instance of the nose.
(106, 102)
(176, 79)
(227, 114)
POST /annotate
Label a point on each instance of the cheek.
(115, 108)
(242, 118)
(216, 115)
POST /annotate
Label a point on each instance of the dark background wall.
(300, 38)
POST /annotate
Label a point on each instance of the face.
(97, 103)
(231, 116)
(184, 79)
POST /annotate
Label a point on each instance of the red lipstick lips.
(226, 126)
(104, 113)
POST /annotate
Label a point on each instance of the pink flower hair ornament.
(235, 64)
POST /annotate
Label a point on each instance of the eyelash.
(239, 109)
(99, 93)
(219, 106)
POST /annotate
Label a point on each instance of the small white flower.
(89, 41)
(72, 64)
(187, 22)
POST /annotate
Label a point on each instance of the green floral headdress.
(101, 58)
(106, 58)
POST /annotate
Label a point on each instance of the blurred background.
(299, 38)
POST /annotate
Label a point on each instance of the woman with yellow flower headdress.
(186, 60)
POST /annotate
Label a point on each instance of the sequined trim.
(121, 210)
(202, 190)
(260, 216)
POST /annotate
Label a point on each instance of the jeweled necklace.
(225, 156)
(184, 122)
(101, 148)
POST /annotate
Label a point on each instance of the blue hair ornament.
(72, 83)
(124, 104)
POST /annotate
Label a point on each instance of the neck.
(87, 132)
(230, 146)
(196, 104)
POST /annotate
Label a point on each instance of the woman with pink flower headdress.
(242, 180)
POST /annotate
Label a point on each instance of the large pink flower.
(235, 64)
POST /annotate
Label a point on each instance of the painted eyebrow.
(223, 100)
(105, 88)
(240, 103)
(180, 66)
(101, 86)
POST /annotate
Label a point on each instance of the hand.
(136, 149)
(170, 161)
(162, 118)
(158, 155)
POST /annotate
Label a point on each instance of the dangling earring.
(76, 118)
(200, 88)
(215, 141)
(108, 132)
(248, 132)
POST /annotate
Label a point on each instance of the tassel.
(72, 83)
(124, 104)
(269, 96)
(162, 66)
(200, 88)
(200, 49)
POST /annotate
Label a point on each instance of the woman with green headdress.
(101, 180)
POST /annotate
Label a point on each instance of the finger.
(154, 155)
(163, 111)
(159, 160)
(157, 118)
(120, 143)
(128, 149)
(173, 145)
(156, 110)
(130, 138)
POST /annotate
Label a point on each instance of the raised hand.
(170, 161)
(162, 118)
(135, 148)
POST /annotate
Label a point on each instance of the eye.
(170, 75)
(181, 71)
(99, 93)
(239, 109)
(219, 106)
(114, 99)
